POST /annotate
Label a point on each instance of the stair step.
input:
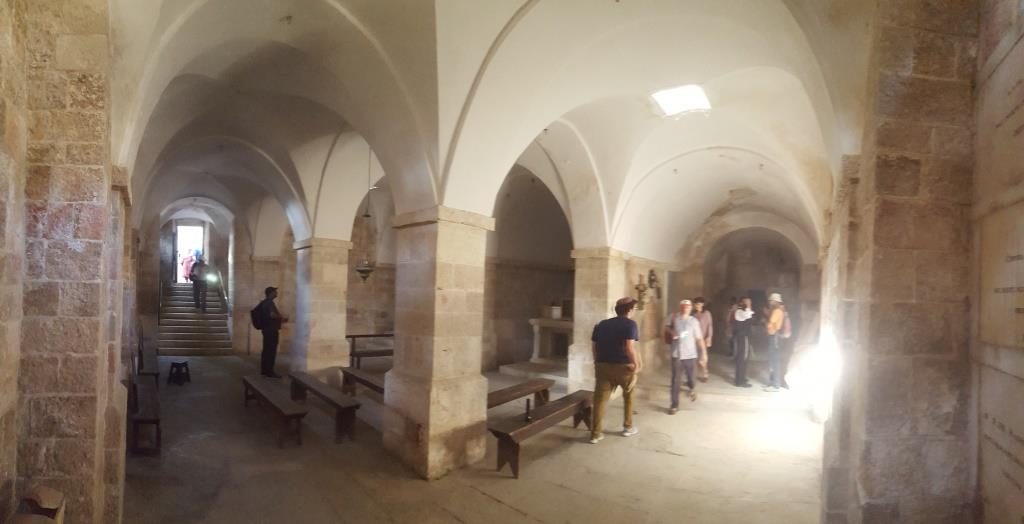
(194, 316)
(192, 309)
(210, 328)
(195, 344)
(192, 322)
(215, 337)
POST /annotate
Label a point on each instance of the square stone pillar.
(321, 285)
(72, 221)
(436, 395)
(600, 281)
(904, 399)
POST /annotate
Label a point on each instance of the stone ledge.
(442, 214)
(321, 242)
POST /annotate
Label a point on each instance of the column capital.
(436, 214)
(307, 243)
(598, 252)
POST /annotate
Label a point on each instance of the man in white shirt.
(741, 324)
(684, 332)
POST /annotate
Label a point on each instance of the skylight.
(682, 99)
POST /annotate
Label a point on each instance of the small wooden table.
(270, 391)
(540, 388)
(350, 376)
(512, 431)
(344, 406)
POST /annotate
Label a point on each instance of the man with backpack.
(198, 277)
(778, 328)
(266, 318)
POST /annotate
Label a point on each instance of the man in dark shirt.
(199, 284)
(271, 320)
(616, 364)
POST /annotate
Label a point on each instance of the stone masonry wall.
(13, 131)
(908, 404)
(997, 277)
(64, 380)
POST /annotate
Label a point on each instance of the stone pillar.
(905, 395)
(436, 395)
(321, 283)
(600, 281)
(65, 373)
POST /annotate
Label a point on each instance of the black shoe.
(272, 375)
(744, 385)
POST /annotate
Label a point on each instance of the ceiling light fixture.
(682, 99)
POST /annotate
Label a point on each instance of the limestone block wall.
(997, 277)
(371, 304)
(13, 133)
(515, 292)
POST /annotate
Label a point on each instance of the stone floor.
(733, 456)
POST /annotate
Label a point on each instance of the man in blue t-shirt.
(616, 364)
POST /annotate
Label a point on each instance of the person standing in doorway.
(186, 266)
(774, 327)
(616, 364)
(683, 331)
(198, 277)
(733, 306)
(741, 321)
(703, 317)
(270, 325)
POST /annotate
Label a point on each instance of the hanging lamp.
(365, 266)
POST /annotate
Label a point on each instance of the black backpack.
(256, 315)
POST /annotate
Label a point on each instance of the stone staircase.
(184, 330)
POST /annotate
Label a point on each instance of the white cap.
(685, 301)
(775, 297)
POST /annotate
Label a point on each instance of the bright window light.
(682, 99)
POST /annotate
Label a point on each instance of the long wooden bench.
(344, 406)
(273, 394)
(352, 376)
(512, 431)
(358, 355)
(540, 388)
(144, 410)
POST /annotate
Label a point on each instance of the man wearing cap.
(616, 364)
(271, 320)
(684, 331)
(776, 320)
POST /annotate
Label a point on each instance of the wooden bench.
(351, 376)
(344, 406)
(540, 388)
(269, 390)
(149, 364)
(512, 431)
(358, 355)
(144, 410)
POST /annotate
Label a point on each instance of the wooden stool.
(179, 373)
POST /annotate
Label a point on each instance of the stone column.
(321, 283)
(436, 395)
(906, 369)
(65, 373)
(600, 281)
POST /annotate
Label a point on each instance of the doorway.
(188, 245)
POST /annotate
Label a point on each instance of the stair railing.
(227, 304)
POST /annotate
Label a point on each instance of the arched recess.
(528, 269)
(339, 54)
(370, 304)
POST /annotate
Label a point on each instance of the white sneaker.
(629, 432)
(771, 389)
(595, 440)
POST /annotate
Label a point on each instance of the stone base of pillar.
(436, 426)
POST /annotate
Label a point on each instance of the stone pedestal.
(600, 281)
(544, 331)
(321, 285)
(436, 397)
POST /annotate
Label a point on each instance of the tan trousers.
(702, 363)
(607, 377)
